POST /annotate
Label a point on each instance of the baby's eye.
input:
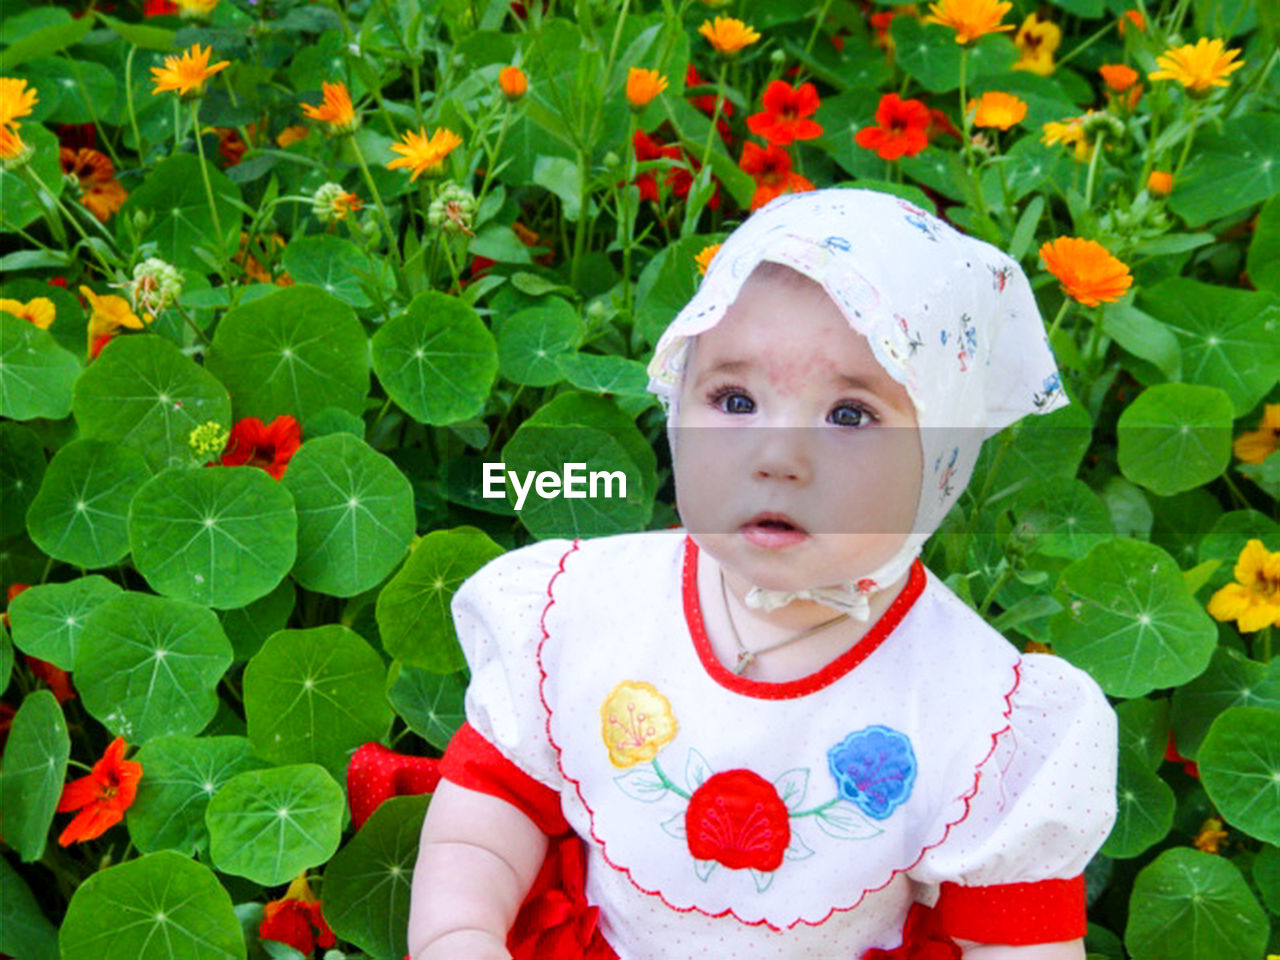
(851, 415)
(732, 400)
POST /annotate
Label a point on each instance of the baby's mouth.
(774, 521)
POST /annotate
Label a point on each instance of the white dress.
(930, 763)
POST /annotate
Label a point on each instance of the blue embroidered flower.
(875, 769)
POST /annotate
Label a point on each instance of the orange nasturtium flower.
(513, 82)
(186, 74)
(39, 312)
(1160, 183)
(1118, 77)
(970, 19)
(269, 446)
(108, 313)
(336, 111)
(771, 169)
(1252, 446)
(100, 191)
(1089, 274)
(995, 109)
(703, 259)
(1037, 41)
(1198, 66)
(102, 797)
(1253, 600)
(424, 154)
(643, 85)
(16, 101)
(728, 35)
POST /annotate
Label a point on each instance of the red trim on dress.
(789, 689)
(473, 762)
(1016, 914)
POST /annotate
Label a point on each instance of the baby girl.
(775, 733)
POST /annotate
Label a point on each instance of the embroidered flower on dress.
(636, 722)
(737, 818)
(874, 769)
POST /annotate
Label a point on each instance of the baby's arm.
(1063, 950)
(477, 859)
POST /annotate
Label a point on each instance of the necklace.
(745, 656)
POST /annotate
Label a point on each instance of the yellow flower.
(728, 35)
(970, 19)
(39, 311)
(12, 150)
(1254, 446)
(1253, 601)
(208, 439)
(424, 154)
(1069, 133)
(16, 100)
(195, 8)
(636, 722)
(513, 82)
(705, 256)
(1035, 646)
(291, 135)
(1089, 274)
(108, 314)
(995, 109)
(336, 111)
(1197, 66)
(186, 74)
(1037, 40)
(1160, 183)
(1210, 836)
(643, 85)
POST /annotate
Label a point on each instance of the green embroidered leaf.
(31, 773)
(844, 821)
(48, 619)
(643, 784)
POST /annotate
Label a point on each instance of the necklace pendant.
(745, 657)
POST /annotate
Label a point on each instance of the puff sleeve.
(503, 749)
(1011, 872)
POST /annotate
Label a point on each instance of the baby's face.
(784, 409)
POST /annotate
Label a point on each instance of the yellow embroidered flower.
(39, 311)
(1198, 66)
(336, 111)
(1160, 184)
(187, 73)
(424, 154)
(728, 35)
(1254, 446)
(1037, 40)
(705, 256)
(1210, 836)
(970, 19)
(108, 314)
(636, 722)
(643, 85)
(1253, 601)
(995, 109)
(16, 101)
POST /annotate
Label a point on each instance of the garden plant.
(279, 277)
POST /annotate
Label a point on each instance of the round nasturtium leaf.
(599, 373)
(174, 195)
(315, 696)
(163, 906)
(270, 825)
(1239, 763)
(79, 516)
(1175, 437)
(430, 703)
(604, 413)
(142, 392)
(1194, 905)
(31, 773)
(355, 514)
(437, 359)
(48, 619)
(218, 537)
(1144, 808)
(1065, 515)
(1129, 620)
(22, 468)
(36, 375)
(247, 627)
(531, 341)
(295, 351)
(148, 666)
(23, 925)
(1266, 874)
(413, 613)
(180, 774)
(366, 884)
(332, 264)
(1144, 730)
(1232, 680)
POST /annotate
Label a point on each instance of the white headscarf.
(949, 317)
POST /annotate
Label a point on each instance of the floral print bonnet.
(949, 317)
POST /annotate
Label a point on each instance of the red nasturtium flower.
(786, 112)
(270, 447)
(102, 797)
(771, 170)
(14, 590)
(707, 102)
(295, 919)
(900, 128)
(59, 680)
(647, 148)
(738, 819)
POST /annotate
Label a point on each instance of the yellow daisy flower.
(728, 35)
(16, 101)
(423, 154)
(186, 74)
(643, 85)
(970, 19)
(1198, 66)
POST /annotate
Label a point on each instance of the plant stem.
(817, 25)
(1057, 321)
(221, 238)
(1095, 337)
(492, 157)
(177, 127)
(715, 113)
(581, 227)
(377, 197)
(1093, 166)
(1191, 136)
(964, 107)
(1085, 44)
(128, 94)
(1005, 576)
(106, 267)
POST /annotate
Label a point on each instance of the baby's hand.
(466, 945)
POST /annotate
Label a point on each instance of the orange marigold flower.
(1210, 836)
(513, 82)
(1198, 66)
(705, 256)
(186, 74)
(1131, 18)
(1253, 600)
(1118, 77)
(102, 797)
(786, 112)
(424, 154)
(1160, 183)
(995, 109)
(728, 35)
(1089, 274)
(900, 128)
(16, 101)
(336, 111)
(100, 191)
(970, 19)
(643, 85)
(1254, 446)
(290, 135)
(1037, 41)
(295, 919)
(39, 312)
(269, 446)
(771, 170)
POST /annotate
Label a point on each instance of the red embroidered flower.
(269, 447)
(376, 774)
(922, 939)
(785, 113)
(296, 919)
(771, 170)
(738, 819)
(555, 922)
(900, 129)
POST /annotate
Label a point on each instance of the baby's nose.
(781, 454)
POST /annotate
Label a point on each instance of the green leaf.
(430, 703)
(667, 283)
(174, 195)
(143, 393)
(1129, 621)
(49, 618)
(19, 204)
(1266, 874)
(1175, 437)
(1233, 167)
(1065, 515)
(24, 929)
(366, 885)
(355, 514)
(148, 666)
(36, 375)
(270, 825)
(221, 538)
(80, 513)
(1263, 264)
(1196, 906)
(248, 627)
(606, 373)
(1239, 763)
(180, 774)
(307, 697)
(1040, 447)
(332, 264)
(1145, 337)
(530, 342)
(413, 613)
(139, 35)
(929, 52)
(295, 351)
(1144, 730)
(44, 41)
(31, 773)
(163, 906)
(1232, 680)
(1144, 809)
(437, 360)
(22, 468)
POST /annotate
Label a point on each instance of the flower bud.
(331, 203)
(778, 57)
(453, 209)
(611, 160)
(156, 284)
